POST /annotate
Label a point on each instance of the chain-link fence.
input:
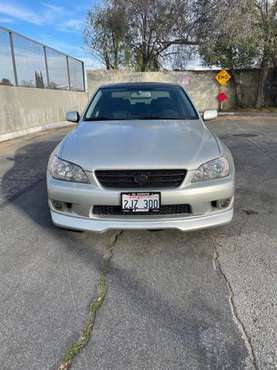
(24, 62)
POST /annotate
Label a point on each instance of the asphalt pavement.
(200, 300)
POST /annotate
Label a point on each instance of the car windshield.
(140, 103)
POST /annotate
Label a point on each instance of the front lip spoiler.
(183, 224)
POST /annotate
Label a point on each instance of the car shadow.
(24, 186)
(28, 175)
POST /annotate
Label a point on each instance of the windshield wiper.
(135, 118)
(148, 117)
(161, 118)
(100, 119)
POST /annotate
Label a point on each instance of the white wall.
(23, 108)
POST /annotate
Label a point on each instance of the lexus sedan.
(140, 157)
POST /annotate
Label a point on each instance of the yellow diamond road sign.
(223, 77)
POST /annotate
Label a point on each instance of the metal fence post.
(45, 61)
(13, 59)
(68, 74)
(46, 66)
(84, 77)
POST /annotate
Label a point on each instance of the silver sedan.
(141, 157)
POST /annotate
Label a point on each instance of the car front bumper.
(83, 197)
(183, 224)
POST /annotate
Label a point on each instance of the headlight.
(214, 169)
(67, 171)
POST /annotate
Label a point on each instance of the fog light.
(58, 205)
(221, 203)
(224, 203)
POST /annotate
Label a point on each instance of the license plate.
(140, 202)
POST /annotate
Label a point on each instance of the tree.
(105, 33)
(5, 81)
(139, 34)
(239, 35)
(151, 34)
(266, 23)
(226, 36)
(156, 27)
(39, 79)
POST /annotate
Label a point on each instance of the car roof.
(139, 85)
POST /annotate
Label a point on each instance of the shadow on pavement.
(24, 186)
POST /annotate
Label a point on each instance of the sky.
(56, 23)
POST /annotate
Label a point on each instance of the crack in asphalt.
(266, 154)
(245, 336)
(94, 306)
(109, 250)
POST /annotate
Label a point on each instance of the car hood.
(148, 144)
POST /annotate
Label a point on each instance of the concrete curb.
(32, 130)
(249, 114)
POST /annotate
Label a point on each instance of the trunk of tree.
(237, 89)
(145, 62)
(143, 67)
(261, 86)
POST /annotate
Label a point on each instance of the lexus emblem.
(141, 179)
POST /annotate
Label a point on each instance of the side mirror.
(210, 114)
(73, 116)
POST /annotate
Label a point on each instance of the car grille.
(140, 179)
(172, 209)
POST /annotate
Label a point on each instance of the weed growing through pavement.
(94, 306)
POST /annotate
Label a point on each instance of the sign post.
(221, 97)
(222, 77)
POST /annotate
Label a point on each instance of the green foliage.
(239, 34)
(105, 34)
(138, 34)
(5, 81)
(227, 37)
(147, 35)
(39, 79)
(85, 336)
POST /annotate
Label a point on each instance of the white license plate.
(140, 202)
